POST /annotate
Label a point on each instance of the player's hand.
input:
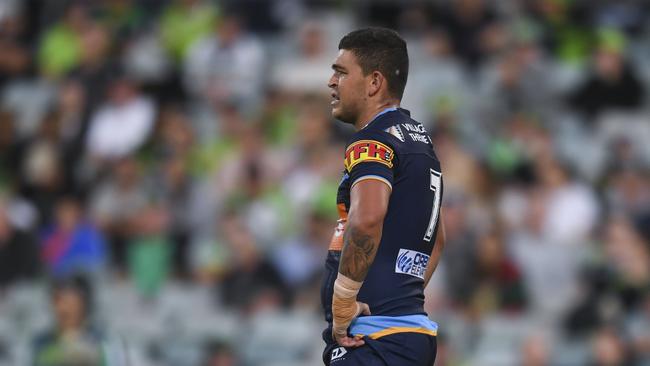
(344, 312)
(351, 342)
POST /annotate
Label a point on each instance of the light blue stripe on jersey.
(371, 176)
(386, 110)
(368, 325)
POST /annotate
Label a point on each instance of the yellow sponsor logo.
(368, 151)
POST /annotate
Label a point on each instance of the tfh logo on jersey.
(411, 263)
(368, 151)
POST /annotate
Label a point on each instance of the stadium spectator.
(19, 258)
(613, 83)
(226, 65)
(571, 208)
(115, 205)
(15, 58)
(122, 124)
(535, 351)
(249, 279)
(125, 17)
(469, 22)
(637, 327)
(73, 340)
(72, 244)
(220, 354)
(437, 81)
(41, 177)
(304, 70)
(298, 261)
(461, 243)
(184, 22)
(150, 250)
(549, 269)
(608, 349)
(68, 118)
(60, 45)
(173, 188)
(95, 68)
(497, 280)
(629, 262)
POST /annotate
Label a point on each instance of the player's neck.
(370, 114)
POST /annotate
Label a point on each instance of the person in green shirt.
(185, 21)
(59, 50)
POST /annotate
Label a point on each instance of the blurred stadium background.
(168, 172)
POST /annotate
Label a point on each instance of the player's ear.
(375, 82)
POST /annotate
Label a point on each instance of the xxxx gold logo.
(368, 151)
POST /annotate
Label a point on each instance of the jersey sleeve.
(370, 156)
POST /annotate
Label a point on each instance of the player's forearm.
(359, 249)
(436, 253)
(368, 206)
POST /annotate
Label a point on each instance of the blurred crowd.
(168, 172)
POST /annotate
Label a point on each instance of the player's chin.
(339, 114)
(336, 111)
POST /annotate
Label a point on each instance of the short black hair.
(78, 283)
(383, 50)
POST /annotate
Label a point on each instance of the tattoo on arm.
(358, 253)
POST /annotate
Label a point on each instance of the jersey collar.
(384, 111)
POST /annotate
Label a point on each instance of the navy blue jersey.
(394, 149)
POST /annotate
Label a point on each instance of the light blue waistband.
(368, 325)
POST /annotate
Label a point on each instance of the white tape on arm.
(344, 303)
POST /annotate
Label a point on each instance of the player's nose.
(332, 82)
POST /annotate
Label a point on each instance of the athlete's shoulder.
(369, 146)
(403, 132)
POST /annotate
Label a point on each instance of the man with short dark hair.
(74, 340)
(382, 252)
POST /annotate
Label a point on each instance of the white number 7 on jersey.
(436, 182)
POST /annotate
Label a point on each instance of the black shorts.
(399, 349)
